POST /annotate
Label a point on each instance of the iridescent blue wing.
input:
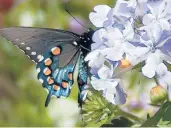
(54, 53)
(57, 80)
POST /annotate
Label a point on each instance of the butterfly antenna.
(75, 19)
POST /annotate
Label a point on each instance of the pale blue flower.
(100, 15)
(152, 52)
(111, 89)
(111, 41)
(163, 76)
(95, 58)
(159, 14)
(96, 61)
(136, 31)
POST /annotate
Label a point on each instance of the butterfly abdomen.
(82, 80)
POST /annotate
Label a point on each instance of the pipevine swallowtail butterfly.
(57, 53)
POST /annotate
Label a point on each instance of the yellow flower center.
(125, 63)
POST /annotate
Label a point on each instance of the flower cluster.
(132, 32)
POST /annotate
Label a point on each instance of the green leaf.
(96, 110)
(161, 118)
(120, 122)
(148, 116)
(140, 65)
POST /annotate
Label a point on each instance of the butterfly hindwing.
(57, 80)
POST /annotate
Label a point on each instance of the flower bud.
(125, 63)
(158, 94)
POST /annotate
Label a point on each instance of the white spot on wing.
(33, 61)
(28, 56)
(33, 53)
(75, 43)
(23, 43)
(40, 57)
(38, 70)
(28, 48)
(46, 90)
(22, 50)
(17, 46)
(41, 80)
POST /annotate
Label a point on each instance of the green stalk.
(130, 116)
(117, 111)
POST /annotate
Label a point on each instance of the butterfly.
(58, 54)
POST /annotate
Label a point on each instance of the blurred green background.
(21, 94)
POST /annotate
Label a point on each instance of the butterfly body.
(56, 53)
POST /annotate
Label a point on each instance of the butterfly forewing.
(36, 41)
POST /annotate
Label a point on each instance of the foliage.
(162, 118)
(96, 110)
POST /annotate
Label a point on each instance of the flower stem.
(130, 116)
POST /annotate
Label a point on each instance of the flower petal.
(115, 95)
(114, 53)
(165, 80)
(105, 72)
(162, 9)
(98, 38)
(114, 31)
(148, 71)
(100, 84)
(154, 7)
(148, 19)
(123, 8)
(136, 51)
(128, 32)
(120, 96)
(161, 70)
(165, 47)
(164, 24)
(100, 15)
(153, 60)
(95, 58)
(169, 91)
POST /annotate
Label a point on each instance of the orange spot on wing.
(48, 62)
(56, 87)
(125, 63)
(47, 71)
(50, 80)
(64, 84)
(56, 51)
(70, 76)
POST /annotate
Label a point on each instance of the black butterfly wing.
(36, 41)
